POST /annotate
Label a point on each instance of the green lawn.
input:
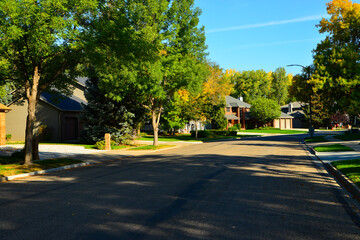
(151, 147)
(188, 138)
(348, 137)
(333, 148)
(10, 166)
(274, 131)
(350, 168)
(87, 146)
(316, 139)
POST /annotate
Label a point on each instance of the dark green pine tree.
(103, 115)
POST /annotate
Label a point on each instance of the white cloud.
(266, 24)
(258, 45)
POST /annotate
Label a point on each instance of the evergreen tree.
(103, 115)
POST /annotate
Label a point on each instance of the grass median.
(350, 168)
(316, 139)
(11, 166)
(348, 137)
(333, 148)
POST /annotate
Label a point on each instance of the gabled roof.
(62, 102)
(284, 115)
(294, 105)
(231, 117)
(233, 102)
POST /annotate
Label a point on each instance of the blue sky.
(262, 34)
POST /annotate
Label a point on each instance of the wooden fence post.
(107, 141)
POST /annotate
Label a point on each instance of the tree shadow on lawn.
(204, 196)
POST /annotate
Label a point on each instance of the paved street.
(259, 188)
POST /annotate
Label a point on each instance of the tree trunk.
(196, 129)
(155, 124)
(35, 148)
(31, 94)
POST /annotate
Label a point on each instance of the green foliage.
(101, 144)
(337, 58)
(236, 127)
(213, 133)
(265, 110)
(8, 137)
(251, 85)
(280, 85)
(159, 50)
(104, 115)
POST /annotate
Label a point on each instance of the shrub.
(8, 137)
(213, 133)
(101, 144)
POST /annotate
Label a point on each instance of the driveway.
(260, 188)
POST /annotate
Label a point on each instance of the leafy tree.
(169, 52)
(279, 85)
(265, 110)
(104, 115)
(251, 85)
(337, 57)
(39, 48)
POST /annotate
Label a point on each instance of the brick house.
(236, 111)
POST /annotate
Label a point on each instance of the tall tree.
(279, 85)
(337, 57)
(251, 85)
(39, 44)
(104, 115)
(169, 50)
(265, 110)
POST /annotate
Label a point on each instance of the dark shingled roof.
(62, 102)
(233, 102)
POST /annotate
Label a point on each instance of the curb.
(339, 176)
(9, 178)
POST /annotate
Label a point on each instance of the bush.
(101, 144)
(213, 133)
(8, 137)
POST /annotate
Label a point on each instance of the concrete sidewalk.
(328, 157)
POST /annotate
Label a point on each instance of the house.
(236, 111)
(59, 113)
(285, 121)
(295, 109)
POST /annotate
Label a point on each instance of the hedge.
(213, 133)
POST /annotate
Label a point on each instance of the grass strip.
(151, 147)
(18, 168)
(333, 148)
(348, 137)
(274, 131)
(316, 139)
(350, 168)
(188, 138)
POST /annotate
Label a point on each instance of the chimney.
(241, 98)
(290, 107)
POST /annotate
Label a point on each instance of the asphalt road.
(260, 188)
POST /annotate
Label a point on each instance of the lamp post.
(311, 129)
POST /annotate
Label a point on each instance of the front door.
(70, 128)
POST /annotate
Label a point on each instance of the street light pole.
(311, 129)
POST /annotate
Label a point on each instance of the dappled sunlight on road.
(223, 190)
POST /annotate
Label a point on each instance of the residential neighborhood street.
(255, 188)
